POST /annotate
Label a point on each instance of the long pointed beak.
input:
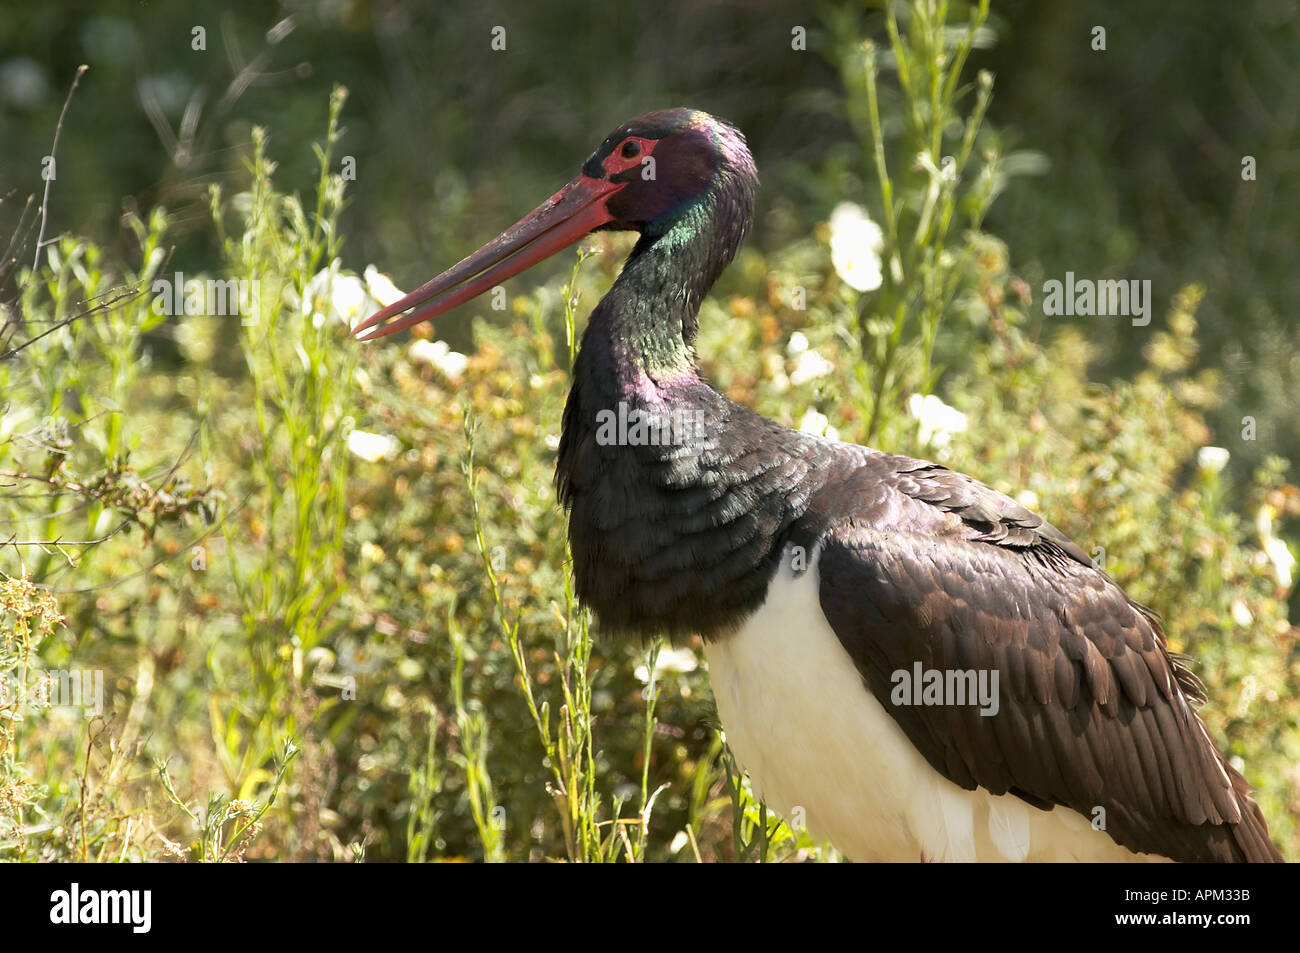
(564, 218)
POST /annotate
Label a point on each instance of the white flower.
(451, 364)
(335, 295)
(381, 287)
(856, 243)
(331, 296)
(373, 447)
(809, 366)
(1279, 554)
(1212, 459)
(1277, 551)
(669, 660)
(1240, 614)
(937, 421)
(815, 422)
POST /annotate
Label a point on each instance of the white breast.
(819, 747)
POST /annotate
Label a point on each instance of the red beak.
(576, 210)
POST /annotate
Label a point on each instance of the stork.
(919, 666)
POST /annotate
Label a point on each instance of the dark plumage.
(914, 562)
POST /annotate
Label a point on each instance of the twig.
(66, 542)
(126, 295)
(182, 551)
(45, 202)
(13, 239)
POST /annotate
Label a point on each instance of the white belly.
(819, 747)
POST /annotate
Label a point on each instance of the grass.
(348, 654)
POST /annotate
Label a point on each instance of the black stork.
(823, 575)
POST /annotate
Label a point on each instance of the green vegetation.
(327, 584)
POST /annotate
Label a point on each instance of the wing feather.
(1093, 709)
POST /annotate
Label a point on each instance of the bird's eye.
(631, 149)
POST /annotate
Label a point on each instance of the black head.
(667, 159)
(646, 175)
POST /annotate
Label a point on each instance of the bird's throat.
(651, 314)
(671, 528)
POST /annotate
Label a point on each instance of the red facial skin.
(566, 217)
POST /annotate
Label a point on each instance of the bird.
(908, 662)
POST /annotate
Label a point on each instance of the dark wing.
(1093, 709)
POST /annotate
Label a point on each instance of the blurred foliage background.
(320, 639)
